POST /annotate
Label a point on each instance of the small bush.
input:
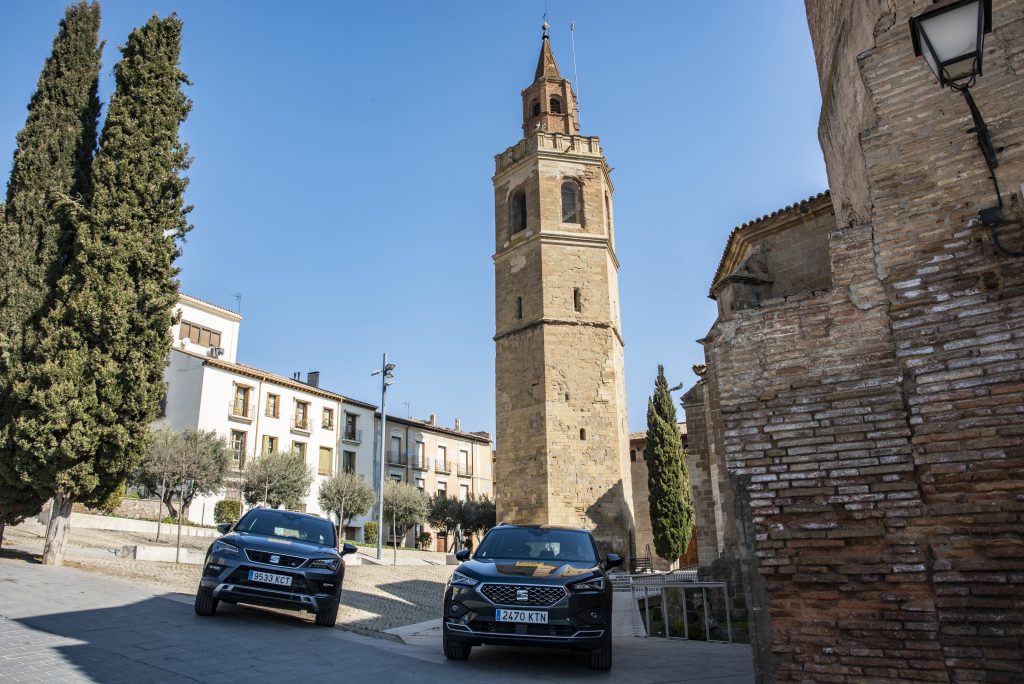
(227, 511)
(113, 501)
(370, 532)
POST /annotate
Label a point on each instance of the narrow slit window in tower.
(556, 105)
(577, 299)
(518, 211)
(572, 212)
(519, 307)
(535, 108)
(583, 433)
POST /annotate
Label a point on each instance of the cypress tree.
(51, 162)
(671, 499)
(94, 383)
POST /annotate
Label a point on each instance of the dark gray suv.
(278, 559)
(531, 586)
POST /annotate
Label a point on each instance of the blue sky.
(343, 155)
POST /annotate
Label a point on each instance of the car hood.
(291, 547)
(502, 568)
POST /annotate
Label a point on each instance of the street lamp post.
(950, 36)
(387, 377)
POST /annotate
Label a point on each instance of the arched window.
(517, 211)
(535, 108)
(572, 205)
(556, 105)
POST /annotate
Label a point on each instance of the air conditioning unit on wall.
(216, 352)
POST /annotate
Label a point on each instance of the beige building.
(438, 459)
(561, 410)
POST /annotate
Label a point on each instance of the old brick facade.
(561, 410)
(862, 423)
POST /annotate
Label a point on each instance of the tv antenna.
(238, 302)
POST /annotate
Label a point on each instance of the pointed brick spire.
(546, 67)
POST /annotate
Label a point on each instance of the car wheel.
(453, 650)
(329, 617)
(601, 658)
(205, 603)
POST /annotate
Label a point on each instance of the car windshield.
(273, 523)
(531, 543)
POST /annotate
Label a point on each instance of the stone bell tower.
(562, 447)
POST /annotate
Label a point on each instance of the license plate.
(271, 578)
(527, 616)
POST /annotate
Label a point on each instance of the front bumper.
(313, 591)
(578, 621)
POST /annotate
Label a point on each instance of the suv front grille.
(509, 594)
(283, 561)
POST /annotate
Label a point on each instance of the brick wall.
(873, 430)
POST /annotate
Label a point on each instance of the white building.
(260, 412)
(257, 411)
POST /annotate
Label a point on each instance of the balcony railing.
(419, 462)
(441, 467)
(243, 410)
(397, 458)
(301, 423)
(465, 470)
(354, 436)
(327, 424)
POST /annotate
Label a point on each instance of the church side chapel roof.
(735, 247)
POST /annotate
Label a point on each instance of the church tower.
(562, 442)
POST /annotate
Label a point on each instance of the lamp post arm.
(984, 141)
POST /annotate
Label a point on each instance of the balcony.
(242, 411)
(397, 458)
(327, 424)
(301, 424)
(465, 470)
(353, 436)
(419, 462)
(441, 467)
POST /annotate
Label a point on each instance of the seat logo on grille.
(522, 595)
(274, 558)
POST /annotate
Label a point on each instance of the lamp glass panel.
(954, 33)
(929, 58)
(961, 68)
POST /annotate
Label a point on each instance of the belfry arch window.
(517, 211)
(555, 105)
(535, 108)
(572, 202)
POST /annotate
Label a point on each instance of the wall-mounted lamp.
(950, 35)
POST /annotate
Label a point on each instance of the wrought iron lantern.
(950, 35)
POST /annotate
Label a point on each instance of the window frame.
(576, 188)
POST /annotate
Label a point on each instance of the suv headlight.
(595, 584)
(224, 548)
(463, 580)
(324, 564)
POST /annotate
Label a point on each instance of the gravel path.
(374, 598)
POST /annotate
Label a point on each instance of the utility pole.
(385, 380)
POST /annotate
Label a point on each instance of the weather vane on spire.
(545, 25)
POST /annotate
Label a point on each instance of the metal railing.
(397, 458)
(355, 436)
(241, 409)
(418, 462)
(665, 605)
(465, 470)
(441, 467)
(301, 423)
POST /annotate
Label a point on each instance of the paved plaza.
(65, 624)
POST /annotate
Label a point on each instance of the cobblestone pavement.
(63, 624)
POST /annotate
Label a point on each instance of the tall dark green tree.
(94, 381)
(671, 499)
(51, 164)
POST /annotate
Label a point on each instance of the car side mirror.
(612, 560)
(224, 528)
(462, 555)
(346, 549)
